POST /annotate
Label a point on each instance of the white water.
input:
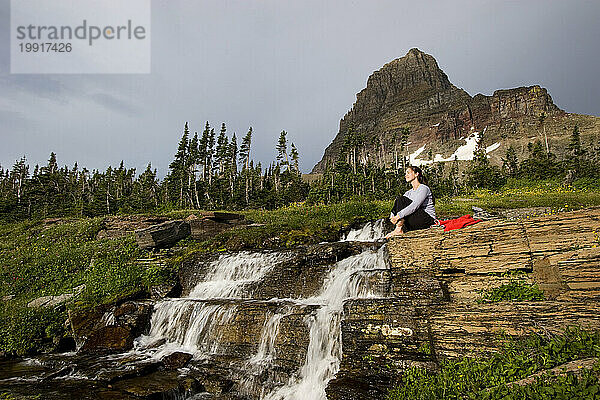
(266, 348)
(193, 323)
(231, 274)
(370, 232)
(324, 352)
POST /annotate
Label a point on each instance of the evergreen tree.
(193, 162)
(232, 163)
(178, 176)
(244, 159)
(245, 149)
(295, 157)
(282, 156)
(539, 164)
(221, 150)
(510, 162)
(481, 174)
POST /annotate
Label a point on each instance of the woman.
(415, 210)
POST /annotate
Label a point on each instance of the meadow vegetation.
(489, 377)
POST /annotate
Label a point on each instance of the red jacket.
(458, 223)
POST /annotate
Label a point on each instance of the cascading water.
(266, 347)
(346, 281)
(192, 323)
(197, 324)
(370, 232)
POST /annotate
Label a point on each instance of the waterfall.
(370, 232)
(266, 348)
(193, 323)
(325, 343)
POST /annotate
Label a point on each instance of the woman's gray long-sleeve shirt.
(421, 198)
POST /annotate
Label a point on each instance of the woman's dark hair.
(421, 178)
(419, 172)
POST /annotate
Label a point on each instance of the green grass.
(38, 260)
(525, 194)
(516, 290)
(288, 226)
(486, 377)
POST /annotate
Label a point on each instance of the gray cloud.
(11, 120)
(115, 104)
(36, 85)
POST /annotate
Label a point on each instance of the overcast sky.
(288, 65)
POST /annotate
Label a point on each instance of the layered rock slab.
(435, 309)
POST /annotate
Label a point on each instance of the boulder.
(176, 360)
(122, 225)
(111, 337)
(212, 223)
(52, 301)
(162, 235)
(110, 327)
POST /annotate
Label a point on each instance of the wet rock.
(300, 273)
(123, 369)
(110, 337)
(65, 344)
(158, 385)
(110, 327)
(162, 235)
(156, 343)
(171, 289)
(176, 360)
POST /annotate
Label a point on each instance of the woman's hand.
(394, 219)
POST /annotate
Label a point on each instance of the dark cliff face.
(412, 91)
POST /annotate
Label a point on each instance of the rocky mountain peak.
(413, 92)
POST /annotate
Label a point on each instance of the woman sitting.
(415, 210)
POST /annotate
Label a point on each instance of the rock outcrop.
(110, 327)
(435, 308)
(413, 92)
(167, 233)
(163, 235)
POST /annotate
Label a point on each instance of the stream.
(257, 348)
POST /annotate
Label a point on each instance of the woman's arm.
(419, 199)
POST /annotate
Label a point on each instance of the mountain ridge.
(414, 92)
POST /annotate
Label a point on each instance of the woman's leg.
(399, 230)
(400, 203)
(418, 220)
